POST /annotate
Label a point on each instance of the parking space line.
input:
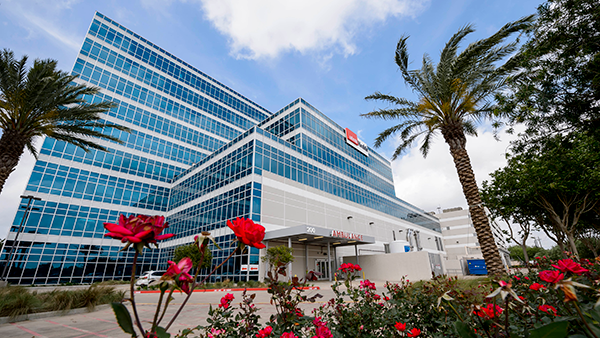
(35, 334)
(77, 329)
(85, 335)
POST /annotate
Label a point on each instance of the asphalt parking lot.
(102, 323)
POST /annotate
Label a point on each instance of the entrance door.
(322, 266)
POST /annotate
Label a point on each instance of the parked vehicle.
(149, 277)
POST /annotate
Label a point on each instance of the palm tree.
(43, 101)
(453, 96)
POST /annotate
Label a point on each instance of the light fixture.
(302, 239)
(318, 237)
(351, 241)
(371, 223)
(336, 243)
(349, 217)
(400, 230)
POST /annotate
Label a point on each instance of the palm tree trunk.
(11, 148)
(478, 216)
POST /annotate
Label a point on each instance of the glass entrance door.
(322, 266)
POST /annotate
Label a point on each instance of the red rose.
(565, 265)
(413, 333)
(536, 286)
(264, 332)
(248, 232)
(400, 326)
(138, 229)
(288, 335)
(322, 332)
(488, 311)
(549, 309)
(179, 273)
(551, 276)
(226, 301)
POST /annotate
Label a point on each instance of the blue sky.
(332, 53)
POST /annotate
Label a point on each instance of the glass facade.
(178, 116)
(196, 154)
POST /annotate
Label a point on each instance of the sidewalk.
(102, 323)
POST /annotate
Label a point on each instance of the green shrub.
(16, 301)
(278, 256)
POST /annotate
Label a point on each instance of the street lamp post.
(30, 198)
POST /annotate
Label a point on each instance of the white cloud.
(13, 188)
(266, 28)
(433, 181)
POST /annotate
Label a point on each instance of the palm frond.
(405, 145)
(425, 146)
(469, 128)
(391, 99)
(44, 100)
(384, 135)
(455, 94)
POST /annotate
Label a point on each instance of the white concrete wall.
(414, 265)
(286, 203)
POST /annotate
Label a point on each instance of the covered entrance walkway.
(316, 237)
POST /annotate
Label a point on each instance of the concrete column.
(335, 263)
(290, 264)
(329, 259)
(356, 253)
(305, 260)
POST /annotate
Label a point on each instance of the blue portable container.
(477, 267)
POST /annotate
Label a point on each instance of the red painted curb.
(229, 289)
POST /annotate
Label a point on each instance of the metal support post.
(290, 264)
(305, 259)
(23, 220)
(329, 260)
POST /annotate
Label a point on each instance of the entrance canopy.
(312, 235)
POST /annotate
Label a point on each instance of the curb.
(230, 289)
(40, 315)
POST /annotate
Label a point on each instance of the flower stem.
(194, 286)
(215, 269)
(131, 297)
(154, 323)
(583, 319)
(166, 305)
(506, 318)
(452, 307)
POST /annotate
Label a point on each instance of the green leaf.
(164, 286)
(123, 318)
(552, 330)
(162, 333)
(464, 330)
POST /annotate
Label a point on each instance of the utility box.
(477, 267)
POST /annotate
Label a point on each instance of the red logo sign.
(351, 136)
(346, 235)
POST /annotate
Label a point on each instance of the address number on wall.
(310, 230)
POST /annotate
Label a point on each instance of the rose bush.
(553, 299)
(140, 231)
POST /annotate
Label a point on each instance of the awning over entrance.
(312, 235)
